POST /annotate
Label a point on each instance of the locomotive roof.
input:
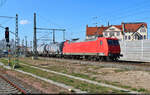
(94, 39)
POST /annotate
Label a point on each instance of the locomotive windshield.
(112, 42)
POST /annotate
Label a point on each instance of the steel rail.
(12, 84)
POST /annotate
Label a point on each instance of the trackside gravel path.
(81, 79)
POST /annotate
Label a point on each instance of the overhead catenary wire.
(5, 21)
(52, 23)
(9, 30)
(128, 11)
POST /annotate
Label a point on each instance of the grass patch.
(119, 70)
(4, 61)
(72, 82)
(141, 90)
(118, 84)
(80, 75)
(64, 70)
(12, 62)
(68, 81)
(93, 78)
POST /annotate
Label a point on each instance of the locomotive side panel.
(86, 48)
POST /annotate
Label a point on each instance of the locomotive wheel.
(101, 59)
(108, 58)
(94, 58)
(115, 59)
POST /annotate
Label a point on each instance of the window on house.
(125, 37)
(118, 33)
(144, 36)
(129, 37)
(106, 34)
(111, 33)
(112, 29)
(142, 29)
(135, 37)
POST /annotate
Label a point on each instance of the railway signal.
(7, 34)
(7, 45)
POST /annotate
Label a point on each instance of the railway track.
(114, 62)
(8, 87)
(131, 65)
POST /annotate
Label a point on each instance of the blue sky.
(72, 15)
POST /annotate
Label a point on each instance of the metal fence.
(135, 50)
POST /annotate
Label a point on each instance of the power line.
(129, 8)
(131, 14)
(48, 20)
(127, 11)
(5, 21)
(7, 17)
(5, 27)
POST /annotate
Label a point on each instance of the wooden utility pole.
(34, 39)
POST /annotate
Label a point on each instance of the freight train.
(100, 49)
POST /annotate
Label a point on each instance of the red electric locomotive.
(99, 49)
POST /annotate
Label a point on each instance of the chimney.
(86, 29)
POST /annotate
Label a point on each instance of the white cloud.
(24, 22)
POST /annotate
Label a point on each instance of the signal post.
(7, 43)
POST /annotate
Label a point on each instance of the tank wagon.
(54, 49)
(42, 50)
(98, 49)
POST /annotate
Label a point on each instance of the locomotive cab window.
(101, 42)
(110, 42)
(116, 42)
(113, 42)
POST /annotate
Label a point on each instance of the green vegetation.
(12, 62)
(4, 61)
(117, 84)
(91, 88)
(119, 70)
(80, 75)
(93, 78)
(72, 82)
(140, 90)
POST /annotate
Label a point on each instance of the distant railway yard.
(53, 75)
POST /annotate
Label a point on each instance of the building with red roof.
(92, 32)
(125, 31)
